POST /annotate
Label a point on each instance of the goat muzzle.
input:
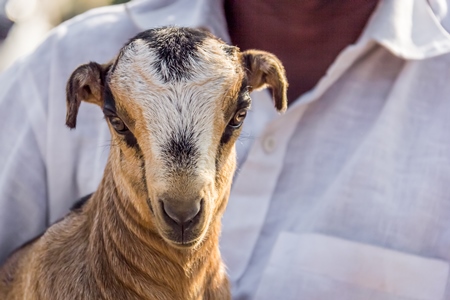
(183, 220)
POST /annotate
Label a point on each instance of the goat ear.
(85, 84)
(264, 69)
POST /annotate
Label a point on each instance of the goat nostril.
(182, 217)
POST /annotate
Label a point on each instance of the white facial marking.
(179, 115)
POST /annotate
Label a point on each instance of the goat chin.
(174, 99)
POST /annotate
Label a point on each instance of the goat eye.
(238, 118)
(118, 124)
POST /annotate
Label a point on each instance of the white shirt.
(346, 196)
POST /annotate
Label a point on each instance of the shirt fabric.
(346, 196)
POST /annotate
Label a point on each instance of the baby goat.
(174, 99)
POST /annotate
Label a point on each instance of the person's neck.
(306, 35)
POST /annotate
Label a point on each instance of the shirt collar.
(409, 29)
(207, 14)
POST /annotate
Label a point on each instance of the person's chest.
(365, 164)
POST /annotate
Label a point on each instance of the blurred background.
(25, 23)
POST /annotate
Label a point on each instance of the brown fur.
(115, 246)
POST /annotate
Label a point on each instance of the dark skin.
(306, 35)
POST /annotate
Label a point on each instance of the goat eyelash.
(238, 118)
(109, 112)
(118, 124)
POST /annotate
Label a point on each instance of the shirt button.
(269, 144)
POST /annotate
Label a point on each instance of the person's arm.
(23, 184)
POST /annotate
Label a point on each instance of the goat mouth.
(185, 245)
(176, 242)
(184, 235)
(187, 239)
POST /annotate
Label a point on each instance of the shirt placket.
(258, 176)
(253, 190)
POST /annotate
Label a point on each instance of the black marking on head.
(109, 109)
(243, 101)
(226, 136)
(113, 68)
(131, 140)
(181, 152)
(109, 102)
(230, 50)
(175, 48)
(243, 90)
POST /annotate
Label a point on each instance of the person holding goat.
(345, 196)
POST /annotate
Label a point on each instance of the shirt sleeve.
(23, 183)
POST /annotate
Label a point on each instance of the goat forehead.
(161, 58)
(176, 54)
(176, 50)
(180, 113)
(136, 80)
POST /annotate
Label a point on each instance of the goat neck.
(127, 251)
